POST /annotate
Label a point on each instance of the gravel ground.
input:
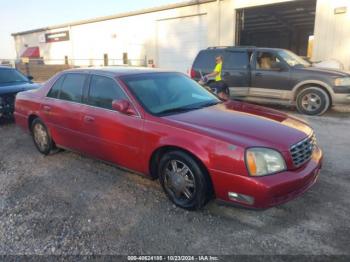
(69, 204)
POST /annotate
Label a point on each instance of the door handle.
(89, 119)
(47, 108)
(258, 74)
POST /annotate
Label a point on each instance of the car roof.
(117, 70)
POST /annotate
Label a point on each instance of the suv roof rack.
(234, 46)
(217, 47)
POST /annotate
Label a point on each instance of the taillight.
(192, 73)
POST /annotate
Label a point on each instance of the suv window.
(9, 75)
(55, 89)
(103, 90)
(236, 60)
(265, 60)
(72, 87)
(206, 59)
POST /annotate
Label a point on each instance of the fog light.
(241, 198)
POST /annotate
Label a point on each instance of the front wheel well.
(158, 153)
(303, 87)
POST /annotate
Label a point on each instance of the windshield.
(293, 59)
(169, 93)
(11, 76)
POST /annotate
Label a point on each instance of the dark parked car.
(276, 75)
(166, 126)
(12, 82)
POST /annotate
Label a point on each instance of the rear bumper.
(268, 191)
(21, 121)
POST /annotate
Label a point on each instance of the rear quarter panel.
(26, 104)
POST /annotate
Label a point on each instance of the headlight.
(264, 161)
(343, 81)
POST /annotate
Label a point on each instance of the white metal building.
(171, 36)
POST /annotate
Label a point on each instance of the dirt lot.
(70, 204)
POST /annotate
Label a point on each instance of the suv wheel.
(41, 137)
(313, 101)
(183, 180)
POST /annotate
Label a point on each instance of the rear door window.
(72, 87)
(206, 60)
(55, 89)
(236, 60)
(103, 90)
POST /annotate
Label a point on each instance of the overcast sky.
(22, 15)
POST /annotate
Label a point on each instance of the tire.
(194, 184)
(313, 101)
(41, 137)
(227, 91)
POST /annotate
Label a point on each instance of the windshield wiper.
(177, 110)
(210, 104)
(299, 65)
(188, 108)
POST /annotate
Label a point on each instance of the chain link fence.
(43, 69)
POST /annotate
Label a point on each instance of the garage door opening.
(287, 25)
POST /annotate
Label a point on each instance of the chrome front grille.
(301, 152)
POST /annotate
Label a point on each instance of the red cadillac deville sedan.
(164, 125)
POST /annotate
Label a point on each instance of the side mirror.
(30, 78)
(123, 106)
(278, 66)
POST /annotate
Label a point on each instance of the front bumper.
(7, 106)
(341, 98)
(268, 191)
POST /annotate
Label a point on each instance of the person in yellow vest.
(218, 84)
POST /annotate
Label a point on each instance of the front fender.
(213, 153)
(160, 135)
(311, 82)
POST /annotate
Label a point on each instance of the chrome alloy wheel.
(41, 137)
(311, 102)
(179, 180)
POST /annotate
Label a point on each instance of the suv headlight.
(343, 81)
(264, 161)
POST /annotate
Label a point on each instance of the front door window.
(266, 60)
(103, 90)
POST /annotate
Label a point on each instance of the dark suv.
(276, 75)
(12, 82)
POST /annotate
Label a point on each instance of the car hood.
(15, 88)
(328, 71)
(245, 125)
